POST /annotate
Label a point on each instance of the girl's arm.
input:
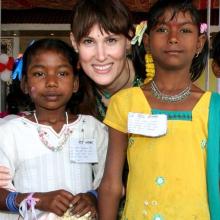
(111, 187)
(56, 202)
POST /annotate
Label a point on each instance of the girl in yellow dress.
(166, 128)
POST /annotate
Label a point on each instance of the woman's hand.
(83, 203)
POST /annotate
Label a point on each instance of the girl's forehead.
(175, 17)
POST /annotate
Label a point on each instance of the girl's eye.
(39, 74)
(62, 74)
(185, 30)
(162, 29)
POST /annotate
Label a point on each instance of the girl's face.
(174, 42)
(50, 81)
(102, 55)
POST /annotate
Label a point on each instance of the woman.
(102, 38)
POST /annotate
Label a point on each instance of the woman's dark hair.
(185, 6)
(216, 48)
(59, 46)
(112, 16)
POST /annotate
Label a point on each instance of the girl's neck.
(125, 80)
(50, 117)
(172, 81)
(55, 119)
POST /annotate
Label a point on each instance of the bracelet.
(28, 206)
(94, 193)
(10, 202)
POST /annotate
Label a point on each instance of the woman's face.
(102, 55)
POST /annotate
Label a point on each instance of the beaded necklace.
(169, 98)
(42, 135)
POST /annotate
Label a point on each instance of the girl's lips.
(173, 51)
(51, 97)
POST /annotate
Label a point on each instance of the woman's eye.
(111, 40)
(87, 41)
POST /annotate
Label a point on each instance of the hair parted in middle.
(111, 16)
(186, 6)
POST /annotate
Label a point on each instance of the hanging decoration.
(6, 66)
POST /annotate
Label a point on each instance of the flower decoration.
(203, 28)
(6, 66)
(139, 33)
(150, 68)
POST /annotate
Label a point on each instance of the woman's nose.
(100, 52)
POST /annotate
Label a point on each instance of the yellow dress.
(167, 174)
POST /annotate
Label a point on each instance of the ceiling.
(134, 5)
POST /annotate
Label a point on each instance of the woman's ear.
(128, 42)
(74, 44)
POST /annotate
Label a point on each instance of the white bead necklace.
(42, 135)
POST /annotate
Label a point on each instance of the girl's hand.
(5, 176)
(84, 203)
(55, 201)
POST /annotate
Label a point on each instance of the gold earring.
(197, 54)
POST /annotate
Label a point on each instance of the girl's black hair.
(216, 48)
(16, 100)
(158, 10)
(59, 46)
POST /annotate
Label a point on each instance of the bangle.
(28, 206)
(10, 202)
(94, 193)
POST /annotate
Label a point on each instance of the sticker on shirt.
(83, 151)
(147, 125)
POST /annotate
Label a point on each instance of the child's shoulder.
(90, 120)
(133, 91)
(10, 120)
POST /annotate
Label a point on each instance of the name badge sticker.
(147, 124)
(83, 151)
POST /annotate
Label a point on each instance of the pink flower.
(203, 28)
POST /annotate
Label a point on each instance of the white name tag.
(147, 125)
(83, 151)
